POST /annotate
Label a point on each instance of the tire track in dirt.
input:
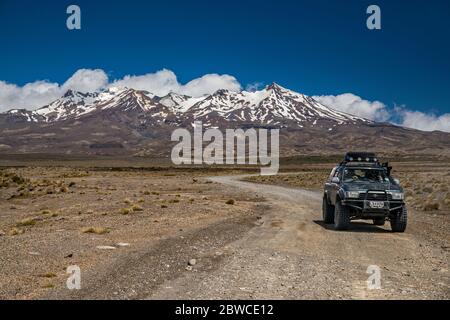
(293, 255)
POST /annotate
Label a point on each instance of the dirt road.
(282, 252)
(293, 255)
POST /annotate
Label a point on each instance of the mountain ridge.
(269, 106)
(136, 122)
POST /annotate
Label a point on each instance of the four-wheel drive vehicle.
(362, 188)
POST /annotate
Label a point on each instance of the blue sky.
(314, 47)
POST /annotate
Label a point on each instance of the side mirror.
(335, 180)
(397, 181)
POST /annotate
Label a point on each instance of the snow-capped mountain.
(273, 105)
(72, 104)
(125, 121)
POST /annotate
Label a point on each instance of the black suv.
(363, 188)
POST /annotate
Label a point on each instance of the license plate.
(376, 204)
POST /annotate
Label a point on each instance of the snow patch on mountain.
(273, 105)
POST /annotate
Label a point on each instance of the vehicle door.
(335, 185)
(327, 186)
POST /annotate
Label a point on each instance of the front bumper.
(364, 207)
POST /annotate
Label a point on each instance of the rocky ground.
(293, 255)
(152, 234)
(51, 218)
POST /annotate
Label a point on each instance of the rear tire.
(327, 211)
(341, 217)
(379, 221)
(399, 222)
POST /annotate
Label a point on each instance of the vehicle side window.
(339, 173)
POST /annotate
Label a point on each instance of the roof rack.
(360, 158)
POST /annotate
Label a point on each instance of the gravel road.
(283, 251)
(291, 254)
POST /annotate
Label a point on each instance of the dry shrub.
(15, 231)
(95, 230)
(26, 222)
(136, 207)
(431, 206)
(48, 275)
(125, 211)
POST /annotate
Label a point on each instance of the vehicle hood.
(361, 186)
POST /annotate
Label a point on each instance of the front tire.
(327, 211)
(341, 217)
(399, 222)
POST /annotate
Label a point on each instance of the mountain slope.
(273, 105)
(134, 122)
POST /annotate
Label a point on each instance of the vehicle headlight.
(352, 194)
(397, 195)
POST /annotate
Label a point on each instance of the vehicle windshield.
(365, 175)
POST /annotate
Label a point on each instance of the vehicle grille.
(375, 196)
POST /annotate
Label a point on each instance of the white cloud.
(378, 111)
(210, 83)
(30, 95)
(255, 86)
(165, 81)
(159, 83)
(86, 80)
(353, 104)
(39, 93)
(423, 121)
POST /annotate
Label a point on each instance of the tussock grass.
(136, 207)
(431, 206)
(125, 211)
(230, 202)
(48, 275)
(26, 222)
(95, 230)
(15, 231)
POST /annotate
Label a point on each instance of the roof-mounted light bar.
(360, 157)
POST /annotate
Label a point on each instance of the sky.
(322, 48)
